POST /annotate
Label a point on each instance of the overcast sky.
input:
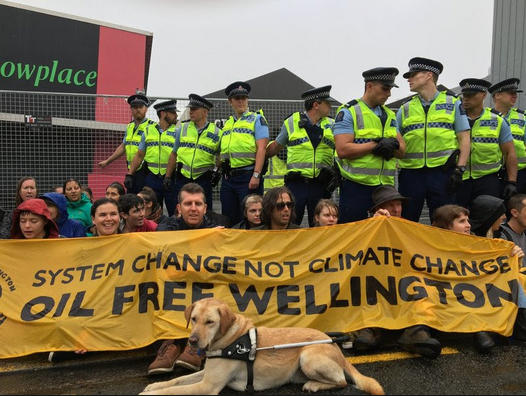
(203, 45)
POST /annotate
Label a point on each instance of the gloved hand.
(386, 147)
(128, 182)
(167, 184)
(510, 189)
(216, 176)
(455, 181)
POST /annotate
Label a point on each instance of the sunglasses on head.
(281, 205)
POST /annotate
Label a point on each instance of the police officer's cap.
(508, 85)
(474, 85)
(317, 93)
(138, 99)
(197, 101)
(424, 64)
(385, 75)
(238, 88)
(169, 105)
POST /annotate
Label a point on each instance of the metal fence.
(53, 137)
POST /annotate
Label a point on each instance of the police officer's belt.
(244, 348)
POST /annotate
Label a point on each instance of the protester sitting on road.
(326, 213)
(115, 190)
(132, 211)
(387, 202)
(152, 209)
(251, 206)
(192, 209)
(415, 339)
(514, 231)
(32, 220)
(105, 216)
(487, 213)
(278, 210)
(26, 189)
(86, 190)
(79, 205)
(58, 206)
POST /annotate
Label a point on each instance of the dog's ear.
(227, 318)
(188, 313)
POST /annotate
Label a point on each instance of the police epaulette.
(183, 121)
(495, 111)
(451, 93)
(351, 103)
(408, 100)
(290, 115)
(521, 111)
(151, 122)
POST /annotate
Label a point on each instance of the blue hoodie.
(68, 228)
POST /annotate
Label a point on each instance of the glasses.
(281, 205)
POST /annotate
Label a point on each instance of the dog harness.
(244, 348)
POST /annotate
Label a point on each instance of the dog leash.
(335, 338)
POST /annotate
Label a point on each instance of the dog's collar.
(244, 348)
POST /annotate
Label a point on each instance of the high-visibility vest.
(485, 157)
(133, 138)
(238, 140)
(301, 155)
(197, 152)
(369, 170)
(429, 138)
(516, 119)
(275, 174)
(159, 146)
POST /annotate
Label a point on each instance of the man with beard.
(278, 210)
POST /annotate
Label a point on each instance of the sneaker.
(166, 357)
(191, 359)
(417, 340)
(483, 341)
(57, 357)
(366, 339)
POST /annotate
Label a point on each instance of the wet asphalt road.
(460, 370)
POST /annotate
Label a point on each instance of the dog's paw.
(153, 387)
(311, 386)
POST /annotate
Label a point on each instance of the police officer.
(154, 149)
(436, 132)
(243, 147)
(195, 154)
(504, 95)
(366, 143)
(310, 151)
(491, 141)
(130, 144)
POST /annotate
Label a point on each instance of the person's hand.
(510, 189)
(517, 251)
(81, 351)
(385, 147)
(167, 184)
(455, 181)
(216, 177)
(128, 182)
(254, 183)
(382, 212)
(103, 164)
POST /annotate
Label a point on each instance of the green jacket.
(81, 210)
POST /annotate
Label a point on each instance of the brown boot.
(191, 358)
(367, 339)
(417, 340)
(166, 357)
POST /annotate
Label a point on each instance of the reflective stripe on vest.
(517, 123)
(238, 142)
(369, 170)
(132, 140)
(430, 138)
(485, 157)
(159, 146)
(197, 152)
(301, 155)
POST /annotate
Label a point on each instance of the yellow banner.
(126, 291)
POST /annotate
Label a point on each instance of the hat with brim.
(197, 102)
(508, 85)
(474, 85)
(238, 88)
(383, 194)
(424, 64)
(169, 105)
(384, 75)
(485, 210)
(139, 100)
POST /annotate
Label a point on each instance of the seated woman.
(32, 220)
(252, 205)
(106, 218)
(115, 190)
(26, 189)
(326, 213)
(79, 205)
(484, 220)
(152, 209)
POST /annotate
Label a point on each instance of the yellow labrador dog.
(215, 328)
